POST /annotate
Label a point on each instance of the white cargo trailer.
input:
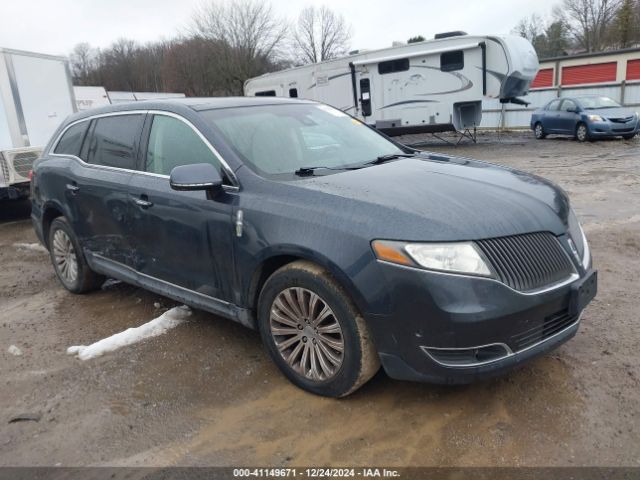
(36, 94)
(432, 86)
(88, 97)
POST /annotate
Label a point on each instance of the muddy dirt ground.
(205, 393)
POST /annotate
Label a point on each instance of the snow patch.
(36, 247)
(165, 322)
(13, 350)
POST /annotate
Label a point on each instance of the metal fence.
(496, 115)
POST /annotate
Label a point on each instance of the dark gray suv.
(343, 248)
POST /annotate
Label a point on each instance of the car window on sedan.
(173, 143)
(71, 141)
(554, 105)
(569, 105)
(278, 140)
(114, 140)
(592, 103)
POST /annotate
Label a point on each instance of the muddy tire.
(68, 260)
(582, 132)
(538, 131)
(313, 331)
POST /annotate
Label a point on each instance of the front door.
(567, 117)
(181, 237)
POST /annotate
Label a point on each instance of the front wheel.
(582, 132)
(628, 137)
(313, 331)
(538, 131)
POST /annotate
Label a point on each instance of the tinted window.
(172, 142)
(114, 141)
(71, 141)
(450, 61)
(266, 93)
(391, 66)
(554, 105)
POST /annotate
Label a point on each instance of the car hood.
(611, 112)
(436, 200)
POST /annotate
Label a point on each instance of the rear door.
(100, 186)
(551, 120)
(181, 237)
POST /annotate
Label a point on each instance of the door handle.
(72, 187)
(143, 202)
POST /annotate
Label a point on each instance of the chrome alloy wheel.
(539, 131)
(307, 333)
(582, 132)
(64, 255)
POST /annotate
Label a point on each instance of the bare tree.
(589, 21)
(320, 34)
(249, 36)
(82, 63)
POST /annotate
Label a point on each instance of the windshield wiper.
(391, 156)
(307, 171)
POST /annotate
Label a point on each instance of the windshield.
(278, 140)
(591, 103)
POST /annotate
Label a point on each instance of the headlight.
(595, 118)
(458, 257)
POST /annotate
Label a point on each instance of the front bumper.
(612, 129)
(432, 311)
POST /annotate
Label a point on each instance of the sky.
(55, 26)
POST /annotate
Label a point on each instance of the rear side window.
(114, 141)
(71, 142)
(450, 61)
(172, 143)
(392, 66)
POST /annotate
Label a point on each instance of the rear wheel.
(582, 132)
(68, 261)
(538, 131)
(313, 331)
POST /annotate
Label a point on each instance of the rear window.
(71, 142)
(114, 141)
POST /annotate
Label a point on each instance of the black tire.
(538, 131)
(582, 132)
(628, 137)
(85, 279)
(359, 357)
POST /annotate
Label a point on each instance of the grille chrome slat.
(527, 262)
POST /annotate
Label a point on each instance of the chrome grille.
(527, 262)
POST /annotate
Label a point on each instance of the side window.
(554, 105)
(451, 61)
(569, 105)
(293, 92)
(172, 143)
(71, 141)
(266, 93)
(114, 141)
(392, 66)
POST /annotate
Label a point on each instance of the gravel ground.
(205, 393)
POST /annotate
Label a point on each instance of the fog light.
(468, 357)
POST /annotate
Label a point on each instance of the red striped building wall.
(544, 78)
(633, 69)
(594, 73)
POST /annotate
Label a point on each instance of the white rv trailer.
(432, 86)
(121, 97)
(36, 94)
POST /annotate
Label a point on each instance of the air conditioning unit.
(15, 164)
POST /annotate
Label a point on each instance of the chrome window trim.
(225, 165)
(508, 355)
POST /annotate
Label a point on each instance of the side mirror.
(199, 176)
